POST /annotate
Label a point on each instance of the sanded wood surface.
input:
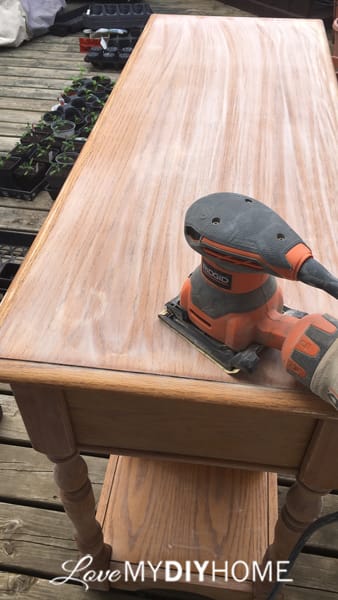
(236, 117)
(187, 512)
(32, 550)
(164, 426)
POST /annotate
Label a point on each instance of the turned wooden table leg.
(45, 414)
(76, 492)
(318, 475)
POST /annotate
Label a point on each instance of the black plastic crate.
(14, 246)
(117, 15)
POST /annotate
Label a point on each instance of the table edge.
(252, 397)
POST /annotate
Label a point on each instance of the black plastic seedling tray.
(116, 54)
(23, 194)
(117, 15)
(13, 249)
(69, 21)
(114, 59)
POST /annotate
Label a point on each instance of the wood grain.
(27, 587)
(24, 545)
(297, 401)
(164, 511)
(20, 218)
(12, 427)
(322, 450)
(30, 116)
(325, 540)
(157, 148)
(182, 428)
(42, 201)
(5, 388)
(28, 104)
(27, 476)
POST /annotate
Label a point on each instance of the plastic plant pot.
(93, 102)
(72, 114)
(52, 115)
(66, 158)
(23, 151)
(63, 129)
(60, 169)
(102, 80)
(7, 167)
(29, 174)
(78, 102)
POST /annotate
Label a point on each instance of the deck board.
(26, 587)
(19, 466)
(31, 77)
(41, 202)
(22, 218)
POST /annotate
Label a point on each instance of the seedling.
(102, 79)
(63, 129)
(29, 167)
(45, 152)
(66, 159)
(4, 159)
(23, 149)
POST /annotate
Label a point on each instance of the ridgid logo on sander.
(217, 277)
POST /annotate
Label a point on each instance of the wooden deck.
(35, 536)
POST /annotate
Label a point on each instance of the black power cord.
(321, 522)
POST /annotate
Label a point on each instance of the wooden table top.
(205, 104)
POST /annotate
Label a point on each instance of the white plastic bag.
(23, 19)
(41, 15)
(12, 23)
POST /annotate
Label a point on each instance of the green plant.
(52, 117)
(77, 78)
(68, 89)
(86, 93)
(43, 150)
(55, 168)
(29, 167)
(28, 129)
(22, 148)
(4, 159)
(69, 145)
(102, 79)
(41, 126)
(48, 141)
(92, 118)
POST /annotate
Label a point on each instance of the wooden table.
(205, 105)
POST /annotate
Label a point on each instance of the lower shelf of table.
(153, 511)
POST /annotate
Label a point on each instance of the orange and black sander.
(231, 306)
